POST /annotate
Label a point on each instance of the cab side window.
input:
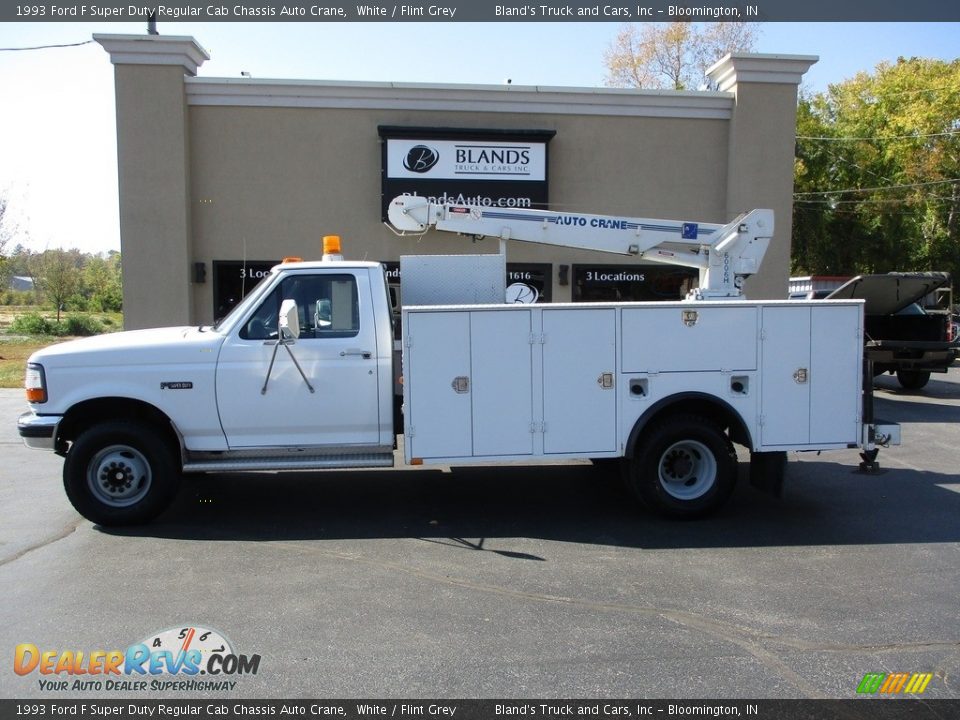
(327, 305)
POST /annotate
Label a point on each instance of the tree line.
(877, 169)
(877, 172)
(67, 280)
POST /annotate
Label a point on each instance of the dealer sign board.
(491, 168)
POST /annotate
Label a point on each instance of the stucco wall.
(154, 195)
(214, 170)
(270, 182)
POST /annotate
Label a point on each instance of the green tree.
(6, 232)
(56, 276)
(673, 55)
(100, 284)
(877, 175)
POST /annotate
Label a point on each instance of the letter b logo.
(420, 159)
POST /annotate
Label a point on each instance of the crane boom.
(724, 254)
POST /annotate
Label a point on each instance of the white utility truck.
(301, 375)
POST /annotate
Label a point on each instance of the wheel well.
(90, 412)
(708, 406)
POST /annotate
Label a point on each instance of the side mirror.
(289, 320)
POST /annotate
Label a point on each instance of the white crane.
(725, 255)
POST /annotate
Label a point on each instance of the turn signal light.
(35, 383)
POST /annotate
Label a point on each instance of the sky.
(58, 165)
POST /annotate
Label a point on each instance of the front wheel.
(913, 379)
(683, 468)
(119, 473)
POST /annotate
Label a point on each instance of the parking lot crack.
(805, 646)
(66, 532)
(741, 637)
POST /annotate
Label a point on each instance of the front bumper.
(38, 431)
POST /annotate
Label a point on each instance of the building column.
(761, 150)
(153, 159)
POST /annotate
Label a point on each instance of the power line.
(858, 167)
(949, 89)
(853, 138)
(858, 92)
(880, 201)
(45, 47)
(877, 189)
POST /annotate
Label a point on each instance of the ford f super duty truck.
(301, 375)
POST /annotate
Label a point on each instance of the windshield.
(241, 307)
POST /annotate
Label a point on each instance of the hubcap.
(119, 476)
(687, 470)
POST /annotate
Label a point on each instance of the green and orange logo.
(894, 683)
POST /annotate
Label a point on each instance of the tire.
(120, 473)
(683, 468)
(913, 379)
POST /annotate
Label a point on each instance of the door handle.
(605, 380)
(365, 354)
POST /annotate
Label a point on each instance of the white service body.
(510, 382)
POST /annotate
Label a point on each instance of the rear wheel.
(913, 379)
(684, 467)
(119, 473)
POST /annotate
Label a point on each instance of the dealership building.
(220, 178)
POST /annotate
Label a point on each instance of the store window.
(233, 280)
(529, 282)
(631, 283)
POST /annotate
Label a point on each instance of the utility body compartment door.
(509, 382)
(695, 337)
(501, 357)
(579, 377)
(437, 411)
(468, 384)
(811, 375)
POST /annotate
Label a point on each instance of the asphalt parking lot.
(511, 582)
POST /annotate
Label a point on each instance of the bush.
(33, 324)
(83, 325)
(18, 297)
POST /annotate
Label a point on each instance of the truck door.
(337, 351)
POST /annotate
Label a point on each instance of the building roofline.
(527, 99)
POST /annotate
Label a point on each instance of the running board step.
(310, 462)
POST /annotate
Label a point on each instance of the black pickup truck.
(903, 337)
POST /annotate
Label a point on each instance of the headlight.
(35, 383)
